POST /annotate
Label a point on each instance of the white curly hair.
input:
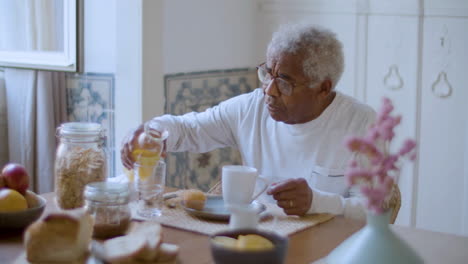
(324, 52)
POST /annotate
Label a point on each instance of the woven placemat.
(279, 222)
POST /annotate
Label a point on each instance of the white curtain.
(31, 25)
(35, 107)
(35, 100)
(3, 122)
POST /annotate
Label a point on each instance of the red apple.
(2, 181)
(15, 177)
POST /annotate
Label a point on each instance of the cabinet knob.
(442, 87)
(392, 79)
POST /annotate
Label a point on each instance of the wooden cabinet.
(392, 71)
(443, 174)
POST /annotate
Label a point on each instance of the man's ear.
(326, 87)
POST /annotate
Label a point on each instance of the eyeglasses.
(285, 87)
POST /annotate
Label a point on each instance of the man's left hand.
(293, 195)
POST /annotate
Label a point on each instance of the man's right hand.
(136, 139)
(129, 144)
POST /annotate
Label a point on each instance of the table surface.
(304, 247)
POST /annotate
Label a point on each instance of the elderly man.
(291, 130)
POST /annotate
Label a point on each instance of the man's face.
(305, 103)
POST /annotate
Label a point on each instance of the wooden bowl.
(22, 219)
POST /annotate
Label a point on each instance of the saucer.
(215, 210)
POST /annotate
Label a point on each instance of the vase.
(374, 243)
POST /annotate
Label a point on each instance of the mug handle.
(263, 189)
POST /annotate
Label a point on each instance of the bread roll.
(194, 199)
(139, 246)
(123, 249)
(151, 232)
(59, 237)
(168, 252)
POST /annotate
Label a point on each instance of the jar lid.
(107, 192)
(79, 129)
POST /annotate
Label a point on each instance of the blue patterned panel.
(196, 92)
(90, 98)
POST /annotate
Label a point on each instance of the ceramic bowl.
(223, 255)
(22, 219)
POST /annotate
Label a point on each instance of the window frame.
(69, 60)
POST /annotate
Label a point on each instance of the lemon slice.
(225, 241)
(253, 242)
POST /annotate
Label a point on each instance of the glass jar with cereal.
(80, 159)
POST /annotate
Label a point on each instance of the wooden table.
(304, 247)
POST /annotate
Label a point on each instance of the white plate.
(214, 209)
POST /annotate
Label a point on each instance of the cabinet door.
(392, 61)
(443, 173)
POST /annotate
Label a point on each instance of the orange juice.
(147, 152)
(146, 159)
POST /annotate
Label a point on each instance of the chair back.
(394, 203)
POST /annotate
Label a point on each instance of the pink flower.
(372, 134)
(375, 176)
(389, 163)
(407, 147)
(353, 164)
(386, 109)
(357, 174)
(353, 143)
(362, 145)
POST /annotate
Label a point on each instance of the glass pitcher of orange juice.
(150, 146)
(148, 149)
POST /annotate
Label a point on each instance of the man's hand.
(135, 139)
(293, 195)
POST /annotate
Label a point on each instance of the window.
(41, 34)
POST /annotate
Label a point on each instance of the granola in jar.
(80, 159)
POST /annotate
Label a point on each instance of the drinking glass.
(149, 185)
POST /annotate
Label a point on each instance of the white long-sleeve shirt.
(313, 150)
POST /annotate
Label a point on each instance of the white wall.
(128, 74)
(153, 38)
(100, 36)
(209, 35)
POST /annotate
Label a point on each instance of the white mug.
(243, 216)
(238, 184)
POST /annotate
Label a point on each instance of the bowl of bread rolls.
(248, 246)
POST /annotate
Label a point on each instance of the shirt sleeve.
(326, 202)
(202, 132)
